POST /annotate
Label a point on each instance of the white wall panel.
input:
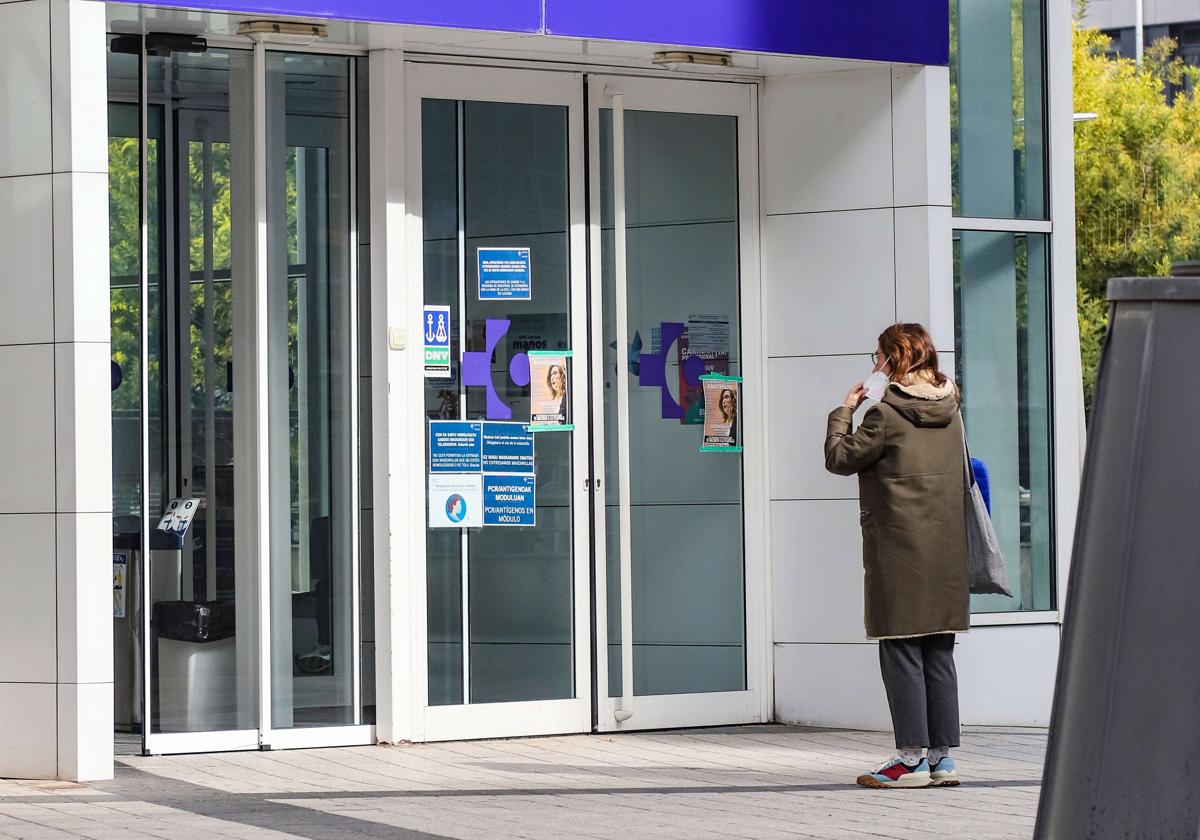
(84, 448)
(925, 271)
(27, 445)
(827, 141)
(84, 584)
(830, 281)
(80, 94)
(85, 742)
(27, 620)
(818, 572)
(921, 135)
(29, 747)
(26, 283)
(25, 89)
(803, 392)
(1006, 674)
(81, 257)
(830, 685)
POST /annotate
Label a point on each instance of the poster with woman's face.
(549, 402)
(721, 407)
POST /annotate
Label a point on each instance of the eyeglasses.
(875, 358)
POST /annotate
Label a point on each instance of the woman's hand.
(855, 398)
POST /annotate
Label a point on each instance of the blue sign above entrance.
(909, 31)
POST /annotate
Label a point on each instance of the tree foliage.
(1137, 173)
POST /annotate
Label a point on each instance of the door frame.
(505, 719)
(251, 423)
(753, 704)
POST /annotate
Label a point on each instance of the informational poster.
(722, 413)
(120, 582)
(509, 500)
(178, 515)
(455, 446)
(481, 473)
(455, 501)
(507, 448)
(505, 274)
(436, 333)
(706, 338)
(549, 399)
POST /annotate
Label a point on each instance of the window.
(997, 91)
(1002, 360)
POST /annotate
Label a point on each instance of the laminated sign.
(549, 397)
(436, 333)
(722, 418)
(481, 473)
(505, 274)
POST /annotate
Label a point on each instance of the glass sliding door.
(502, 262)
(244, 630)
(673, 273)
(311, 393)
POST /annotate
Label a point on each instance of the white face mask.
(876, 384)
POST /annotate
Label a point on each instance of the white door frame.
(252, 497)
(754, 703)
(489, 720)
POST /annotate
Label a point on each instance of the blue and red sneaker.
(944, 773)
(894, 773)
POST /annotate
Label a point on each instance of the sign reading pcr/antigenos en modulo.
(505, 274)
(509, 500)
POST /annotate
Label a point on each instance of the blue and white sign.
(455, 446)
(505, 274)
(455, 501)
(435, 330)
(507, 448)
(509, 500)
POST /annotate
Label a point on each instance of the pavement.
(736, 782)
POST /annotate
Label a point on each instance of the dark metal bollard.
(1124, 751)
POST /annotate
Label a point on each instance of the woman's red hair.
(908, 350)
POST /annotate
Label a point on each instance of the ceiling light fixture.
(680, 58)
(282, 32)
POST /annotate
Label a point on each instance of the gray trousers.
(922, 689)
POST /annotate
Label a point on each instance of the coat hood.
(922, 403)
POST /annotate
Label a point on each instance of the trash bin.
(196, 665)
(1124, 734)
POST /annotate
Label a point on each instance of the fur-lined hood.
(922, 403)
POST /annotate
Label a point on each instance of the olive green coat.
(908, 455)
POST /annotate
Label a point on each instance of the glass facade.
(998, 117)
(1002, 279)
(1002, 363)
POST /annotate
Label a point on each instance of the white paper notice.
(455, 500)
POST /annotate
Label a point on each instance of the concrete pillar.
(56, 677)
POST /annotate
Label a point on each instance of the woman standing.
(908, 455)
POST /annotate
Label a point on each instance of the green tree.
(1137, 174)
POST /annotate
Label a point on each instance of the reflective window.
(998, 126)
(1002, 361)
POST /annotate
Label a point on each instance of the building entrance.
(589, 562)
(233, 218)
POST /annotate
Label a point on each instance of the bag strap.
(966, 452)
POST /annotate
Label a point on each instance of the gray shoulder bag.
(985, 564)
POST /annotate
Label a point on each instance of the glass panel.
(509, 164)
(310, 390)
(998, 126)
(1003, 367)
(681, 194)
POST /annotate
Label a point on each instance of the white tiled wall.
(856, 185)
(55, 488)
